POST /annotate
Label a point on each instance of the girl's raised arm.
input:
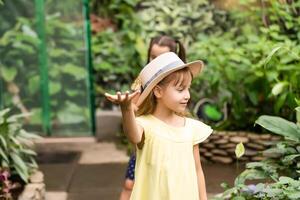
(131, 128)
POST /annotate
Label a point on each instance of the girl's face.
(156, 50)
(175, 94)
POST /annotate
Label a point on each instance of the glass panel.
(19, 68)
(67, 70)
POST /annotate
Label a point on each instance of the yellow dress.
(165, 166)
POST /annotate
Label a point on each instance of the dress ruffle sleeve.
(201, 132)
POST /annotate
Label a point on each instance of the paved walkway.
(81, 168)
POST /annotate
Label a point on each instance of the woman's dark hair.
(174, 45)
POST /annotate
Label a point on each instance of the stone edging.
(220, 146)
(35, 189)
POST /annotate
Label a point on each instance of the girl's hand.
(124, 100)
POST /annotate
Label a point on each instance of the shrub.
(16, 152)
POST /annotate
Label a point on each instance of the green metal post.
(89, 64)
(43, 65)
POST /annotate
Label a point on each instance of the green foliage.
(239, 150)
(16, 151)
(279, 173)
(253, 67)
(249, 68)
(11, 10)
(181, 19)
(280, 126)
(67, 73)
(118, 54)
(18, 47)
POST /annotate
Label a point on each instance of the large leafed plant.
(279, 174)
(16, 146)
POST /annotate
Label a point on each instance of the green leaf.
(72, 93)
(28, 31)
(25, 142)
(23, 174)
(29, 136)
(72, 113)
(8, 74)
(298, 115)
(269, 57)
(249, 174)
(290, 158)
(229, 192)
(278, 87)
(14, 118)
(34, 84)
(239, 198)
(253, 96)
(280, 102)
(29, 152)
(294, 195)
(4, 112)
(54, 88)
(36, 116)
(3, 155)
(3, 141)
(285, 180)
(33, 162)
(20, 166)
(224, 185)
(297, 101)
(79, 73)
(239, 150)
(279, 126)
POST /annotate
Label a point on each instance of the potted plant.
(16, 155)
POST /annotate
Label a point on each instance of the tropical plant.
(249, 68)
(16, 145)
(280, 171)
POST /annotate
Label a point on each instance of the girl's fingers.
(119, 96)
(126, 95)
(107, 94)
(111, 99)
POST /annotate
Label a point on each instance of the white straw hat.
(159, 68)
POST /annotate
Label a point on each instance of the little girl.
(158, 45)
(168, 162)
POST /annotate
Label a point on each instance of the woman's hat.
(159, 68)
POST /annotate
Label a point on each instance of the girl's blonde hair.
(180, 77)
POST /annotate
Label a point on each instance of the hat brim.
(195, 67)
